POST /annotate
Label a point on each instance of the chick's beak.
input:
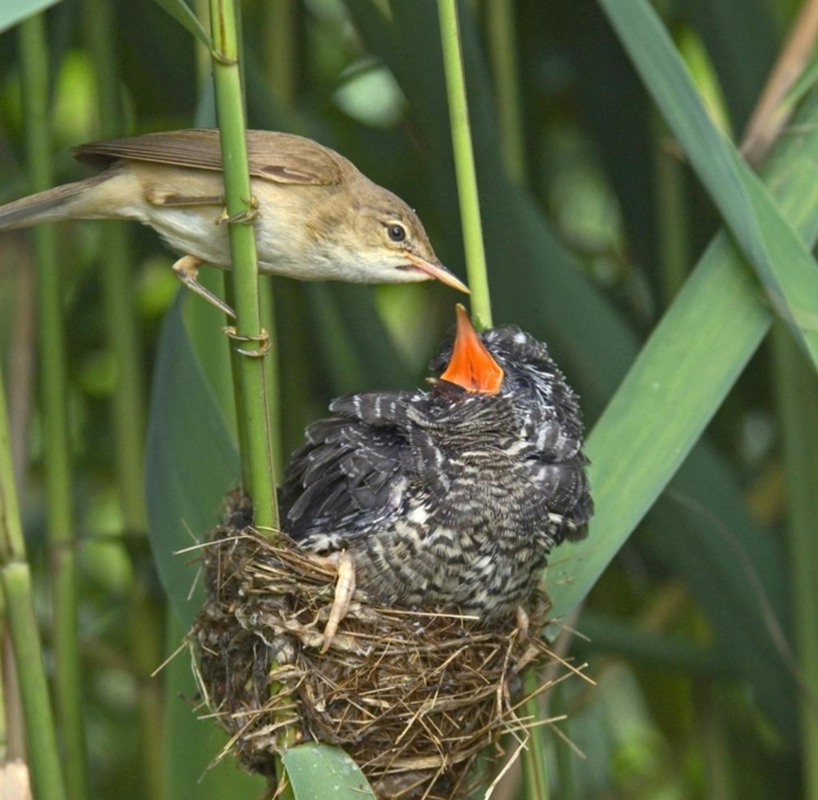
(472, 366)
(437, 272)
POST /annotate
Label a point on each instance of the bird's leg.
(522, 622)
(344, 589)
(186, 269)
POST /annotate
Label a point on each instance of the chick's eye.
(397, 233)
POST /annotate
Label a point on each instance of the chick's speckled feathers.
(447, 497)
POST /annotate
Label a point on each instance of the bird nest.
(412, 696)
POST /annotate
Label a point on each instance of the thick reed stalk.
(44, 764)
(257, 457)
(54, 393)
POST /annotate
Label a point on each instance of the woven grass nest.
(412, 696)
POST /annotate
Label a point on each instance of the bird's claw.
(522, 622)
(262, 338)
(344, 590)
(247, 216)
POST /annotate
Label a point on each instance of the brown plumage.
(316, 216)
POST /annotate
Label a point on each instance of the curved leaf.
(190, 463)
(318, 770)
(13, 12)
(784, 265)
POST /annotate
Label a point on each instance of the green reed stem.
(257, 451)
(118, 282)
(54, 388)
(128, 410)
(464, 163)
(282, 49)
(534, 760)
(797, 390)
(230, 111)
(501, 31)
(15, 579)
(672, 214)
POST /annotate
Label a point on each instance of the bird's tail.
(52, 205)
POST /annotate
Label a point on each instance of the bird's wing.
(557, 467)
(348, 474)
(287, 158)
(563, 497)
(552, 434)
(273, 156)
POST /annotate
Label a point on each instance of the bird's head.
(500, 361)
(385, 241)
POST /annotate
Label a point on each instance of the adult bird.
(450, 497)
(316, 216)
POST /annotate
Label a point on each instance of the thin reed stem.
(797, 390)
(534, 761)
(128, 412)
(54, 393)
(464, 163)
(501, 32)
(18, 610)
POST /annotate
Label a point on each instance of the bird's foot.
(247, 216)
(186, 270)
(344, 590)
(522, 622)
(262, 338)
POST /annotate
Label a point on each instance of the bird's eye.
(397, 233)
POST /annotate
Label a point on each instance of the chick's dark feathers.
(447, 497)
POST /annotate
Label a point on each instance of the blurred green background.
(593, 220)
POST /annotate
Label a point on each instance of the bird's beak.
(471, 365)
(438, 272)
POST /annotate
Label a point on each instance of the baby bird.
(452, 497)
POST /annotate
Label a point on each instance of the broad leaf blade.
(684, 370)
(318, 770)
(659, 412)
(783, 263)
(191, 462)
(12, 12)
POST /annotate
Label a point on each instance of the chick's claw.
(523, 622)
(344, 590)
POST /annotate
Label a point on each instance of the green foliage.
(317, 770)
(15, 11)
(696, 602)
